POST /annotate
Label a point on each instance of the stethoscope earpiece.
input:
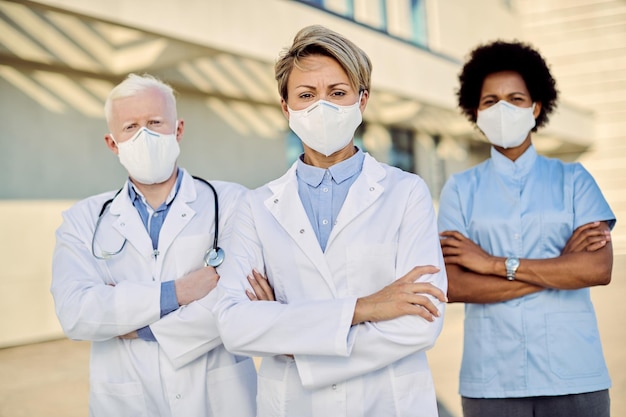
(214, 257)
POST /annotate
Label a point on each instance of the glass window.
(401, 152)
(371, 13)
(404, 19)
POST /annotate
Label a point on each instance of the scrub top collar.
(521, 166)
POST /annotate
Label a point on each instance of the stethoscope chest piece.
(214, 257)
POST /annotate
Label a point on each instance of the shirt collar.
(520, 166)
(134, 192)
(340, 172)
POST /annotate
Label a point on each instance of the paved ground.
(50, 379)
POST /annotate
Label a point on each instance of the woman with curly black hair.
(524, 237)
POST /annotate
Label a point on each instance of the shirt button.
(324, 222)
(325, 189)
(156, 214)
(516, 236)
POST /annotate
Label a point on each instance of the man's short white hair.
(134, 84)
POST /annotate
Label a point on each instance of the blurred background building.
(60, 58)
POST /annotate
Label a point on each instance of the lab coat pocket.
(277, 375)
(370, 267)
(124, 399)
(574, 345)
(413, 386)
(232, 389)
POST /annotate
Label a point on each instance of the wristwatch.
(511, 265)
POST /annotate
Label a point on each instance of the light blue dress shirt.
(323, 192)
(545, 343)
(153, 221)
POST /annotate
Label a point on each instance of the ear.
(108, 139)
(364, 98)
(537, 110)
(179, 130)
(284, 108)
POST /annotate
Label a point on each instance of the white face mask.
(506, 125)
(326, 127)
(148, 156)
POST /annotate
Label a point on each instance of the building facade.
(60, 58)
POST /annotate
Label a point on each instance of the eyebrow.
(508, 95)
(330, 86)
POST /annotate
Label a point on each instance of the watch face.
(512, 263)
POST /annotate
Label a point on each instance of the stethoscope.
(212, 257)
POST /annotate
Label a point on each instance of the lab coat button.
(372, 188)
(301, 231)
(178, 396)
(334, 386)
(275, 201)
(184, 215)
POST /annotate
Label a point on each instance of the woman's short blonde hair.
(318, 40)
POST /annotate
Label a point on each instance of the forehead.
(143, 104)
(503, 81)
(317, 70)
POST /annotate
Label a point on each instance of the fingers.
(452, 234)
(423, 307)
(261, 287)
(588, 237)
(417, 272)
(428, 288)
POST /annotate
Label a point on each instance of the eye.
(155, 122)
(305, 96)
(130, 127)
(338, 93)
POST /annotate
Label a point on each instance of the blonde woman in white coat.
(128, 274)
(339, 237)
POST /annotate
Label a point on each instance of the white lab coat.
(386, 227)
(187, 372)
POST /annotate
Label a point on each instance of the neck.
(514, 153)
(319, 160)
(156, 194)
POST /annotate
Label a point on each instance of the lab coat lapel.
(363, 193)
(180, 213)
(129, 224)
(286, 207)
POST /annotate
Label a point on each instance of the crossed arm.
(402, 297)
(474, 276)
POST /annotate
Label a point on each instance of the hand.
(400, 298)
(262, 289)
(459, 250)
(196, 285)
(588, 238)
(129, 336)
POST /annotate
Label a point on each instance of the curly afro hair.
(507, 56)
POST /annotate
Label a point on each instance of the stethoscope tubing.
(213, 257)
